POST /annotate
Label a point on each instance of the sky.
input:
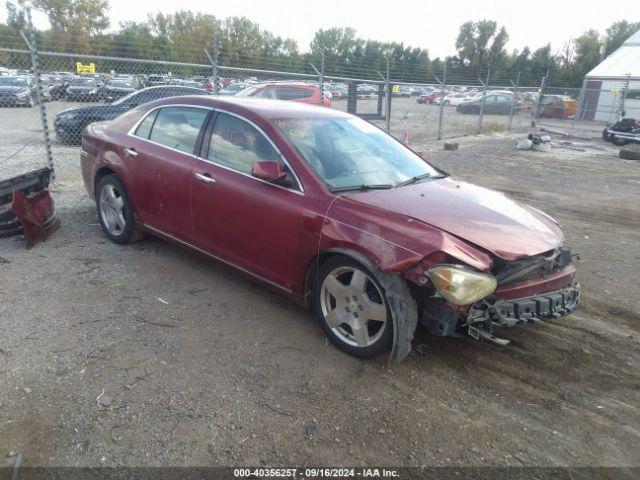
(418, 23)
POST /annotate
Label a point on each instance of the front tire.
(115, 212)
(352, 309)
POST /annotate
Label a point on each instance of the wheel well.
(100, 174)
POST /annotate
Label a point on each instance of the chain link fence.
(47, 98)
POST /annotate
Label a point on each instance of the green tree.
(587, 54)
(618, 32)
(480, 45)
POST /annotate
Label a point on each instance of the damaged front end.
(539, 286)
(27, 208)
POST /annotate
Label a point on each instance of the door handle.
(205, 177)
(130, 152)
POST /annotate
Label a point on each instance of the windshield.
(350, 152)
(121, 83)
(127, 98)
(13, 82)
(249, 91)
(82, 82)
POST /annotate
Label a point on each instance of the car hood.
(104, 112)
(484, 217)
(81, 88)
(120, 89)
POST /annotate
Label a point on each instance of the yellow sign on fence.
(395, 88)
(85, 69)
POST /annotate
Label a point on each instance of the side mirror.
(269, 171)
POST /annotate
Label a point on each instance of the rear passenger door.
(161, 152)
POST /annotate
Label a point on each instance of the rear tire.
(352, 309)
(115, 212)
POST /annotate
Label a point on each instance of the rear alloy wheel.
(352, 308)
(114, 210)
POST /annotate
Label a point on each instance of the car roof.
(264, 107)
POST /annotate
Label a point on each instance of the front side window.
(178, 127)
(350, 152)
(238, 145)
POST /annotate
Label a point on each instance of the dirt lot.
(198, 366)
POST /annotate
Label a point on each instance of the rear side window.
(294, 93)
(178, 127)
(238, 145)
(268, 92)
(144, 129)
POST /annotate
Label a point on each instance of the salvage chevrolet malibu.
(332, 212)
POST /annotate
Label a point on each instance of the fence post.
(321, 76)
(216, 73)
(443, 85)
(484, 98)
(513, 99)
(536, 111)
(387, 113)
(33, 50)
(581, 102)
(624, 95)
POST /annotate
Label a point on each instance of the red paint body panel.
(36, 214)
(481, 216)
(274, 233)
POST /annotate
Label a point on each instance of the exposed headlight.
(92, 92)
(460, 286)
(22, 93)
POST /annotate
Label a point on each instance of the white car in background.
(453, 99)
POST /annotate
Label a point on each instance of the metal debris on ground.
(27, 208)
(540, 143)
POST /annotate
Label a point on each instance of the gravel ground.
(149, 355)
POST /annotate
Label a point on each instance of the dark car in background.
(16, 92)
(84, 89)
(154, 80)
(119, 87)
(493, 105)
(58, 86)
(69, 124)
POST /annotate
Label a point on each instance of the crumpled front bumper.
(507, 313)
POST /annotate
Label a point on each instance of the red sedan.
(429, 97)
(296, 92)
(332, 212)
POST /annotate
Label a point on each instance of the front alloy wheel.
(352, 308)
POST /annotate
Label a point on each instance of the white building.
(606, 84)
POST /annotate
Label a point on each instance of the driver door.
(249, 222)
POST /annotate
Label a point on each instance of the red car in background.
(330, 211)
(297, 92)
(429, 97)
